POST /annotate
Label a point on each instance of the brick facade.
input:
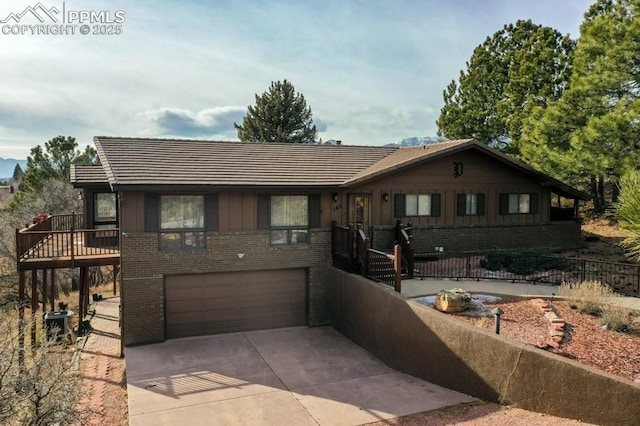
(144, 268)
(552, 236)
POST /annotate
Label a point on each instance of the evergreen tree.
(18, 173)
(518, 68)
(54, 161)
(279, 115)
(591, 136)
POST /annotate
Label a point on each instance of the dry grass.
(587, 296)
(619, 318)
(595, 298)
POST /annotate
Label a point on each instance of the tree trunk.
(597, 193)
(601, 197)
(615, 192)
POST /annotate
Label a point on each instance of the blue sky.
(373, 72)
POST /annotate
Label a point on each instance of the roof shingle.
(195, 162)
(88, 174)
(183, 162)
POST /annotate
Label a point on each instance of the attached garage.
(201, 304)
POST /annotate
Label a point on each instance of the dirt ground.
(601, 238)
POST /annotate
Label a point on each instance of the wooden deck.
(54, 242)
(66, 249)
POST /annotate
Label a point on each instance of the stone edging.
(556, 325)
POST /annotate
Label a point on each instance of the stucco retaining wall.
(425, 343)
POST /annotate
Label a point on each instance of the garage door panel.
(187, 294)
(239, 301)
(186, 306)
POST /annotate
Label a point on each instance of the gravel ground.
(586, 341)
(478, 414)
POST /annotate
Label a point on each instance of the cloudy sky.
(373, 72)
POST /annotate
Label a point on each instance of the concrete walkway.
(429, 286)
(292, 376)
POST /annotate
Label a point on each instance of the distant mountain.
(7, 165)
(416, 141)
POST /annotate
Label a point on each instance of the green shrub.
(523, 262)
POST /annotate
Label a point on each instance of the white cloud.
(212, 121)
(372, 72)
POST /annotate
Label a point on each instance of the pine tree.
(591, 136)
(54, 161)
(522, 66)
(279, 115)
(17, 173)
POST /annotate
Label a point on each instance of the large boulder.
(454, 300)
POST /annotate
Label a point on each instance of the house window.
(182, 222)
(104, 210)
(289, 219)
(417, 205)
(471, 204)
(518, 203)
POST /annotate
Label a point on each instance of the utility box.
(58, 322)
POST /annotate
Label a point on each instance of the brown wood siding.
(481, 174)
(88, 207)
(202, 304)
(249, 220)
(237, 210)
(131, 211)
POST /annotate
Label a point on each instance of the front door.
(360, 211)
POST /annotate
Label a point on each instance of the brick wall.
(144, 268)
(552, 236)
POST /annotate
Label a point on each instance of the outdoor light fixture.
(335, 197)
(385, 197)
(497, 312)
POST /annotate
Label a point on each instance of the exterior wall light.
(385, 197)
(335, 197)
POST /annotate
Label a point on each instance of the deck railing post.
(367, 246)
(397, 265)
(18, 249)
(71, 240)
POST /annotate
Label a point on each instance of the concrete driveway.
(296, 376)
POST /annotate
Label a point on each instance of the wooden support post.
(21, 330)
(81, 300)
(116, 269)
(397, 265)
(45, 272)
(87, 287)
(34, 305)
(53, 290)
